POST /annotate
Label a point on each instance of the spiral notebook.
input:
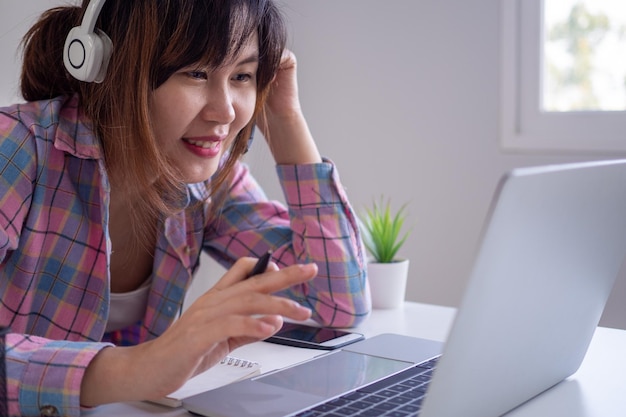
(228, 370)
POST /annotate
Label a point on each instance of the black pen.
(261, 265)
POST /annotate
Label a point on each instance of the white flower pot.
(388, 283)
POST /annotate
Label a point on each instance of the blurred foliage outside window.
(584, 55)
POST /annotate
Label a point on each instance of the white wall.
(15, 18)
(404, 96)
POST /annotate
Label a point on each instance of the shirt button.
(187, 250)
(49, 411)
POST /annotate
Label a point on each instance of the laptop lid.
(548, 259)
(549, 254)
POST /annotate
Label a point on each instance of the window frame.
(523, 126)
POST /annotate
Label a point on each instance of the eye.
(243, 77)
(197, 74)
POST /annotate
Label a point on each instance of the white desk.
(596, 390)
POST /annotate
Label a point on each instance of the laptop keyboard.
(397, 396)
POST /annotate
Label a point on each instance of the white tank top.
(128, 308)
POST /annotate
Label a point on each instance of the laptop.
(550, 251)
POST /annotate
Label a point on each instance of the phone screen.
(309, 333)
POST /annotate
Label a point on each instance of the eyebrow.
(252, 58)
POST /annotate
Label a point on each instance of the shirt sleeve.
(318, 225)
(18, 165)
(44, 376)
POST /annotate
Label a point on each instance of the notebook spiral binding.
(229, 360)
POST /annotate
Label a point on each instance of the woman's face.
(198, 112)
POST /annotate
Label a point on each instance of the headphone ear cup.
(83, 54)
(107, 50)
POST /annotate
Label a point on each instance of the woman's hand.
(285, 127)
(236, 311)
(283, 100)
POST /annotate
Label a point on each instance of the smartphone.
(301, 335)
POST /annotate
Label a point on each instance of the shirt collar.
(75, 134)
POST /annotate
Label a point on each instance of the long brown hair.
(151, 41)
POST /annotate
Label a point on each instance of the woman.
(109, 191)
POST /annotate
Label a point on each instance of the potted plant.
(383, 235)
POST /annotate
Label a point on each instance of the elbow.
(343, 315)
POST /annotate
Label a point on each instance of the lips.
(205, 147)
(205, 144)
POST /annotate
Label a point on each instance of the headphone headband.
(91, 15)
(87, 50)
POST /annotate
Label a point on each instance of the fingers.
(247, 305)
(255, 304)
(273, 281)
(288, 59)
(250, 303)
(235, 295)
(246, 329)
(268, 282)
(239, 271)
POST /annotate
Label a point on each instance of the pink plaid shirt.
(55, 248)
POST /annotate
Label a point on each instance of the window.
(564, 75)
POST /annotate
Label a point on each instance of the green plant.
(381, 230)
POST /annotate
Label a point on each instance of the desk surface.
(596, 390)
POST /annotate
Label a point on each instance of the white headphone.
(87, 50)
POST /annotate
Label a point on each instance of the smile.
(204, 147)
(205, 144)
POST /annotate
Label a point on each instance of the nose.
(219, 106)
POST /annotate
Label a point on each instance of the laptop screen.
(334, 374)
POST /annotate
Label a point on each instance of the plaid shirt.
(55, 248)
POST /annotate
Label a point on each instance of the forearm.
(325, 231)
(284, 125)
(109, 378)
(290, 140)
